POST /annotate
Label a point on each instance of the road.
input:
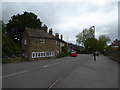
(68, 72)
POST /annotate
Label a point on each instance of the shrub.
(60, 55)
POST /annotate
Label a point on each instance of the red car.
(74, 54)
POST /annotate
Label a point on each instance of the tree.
(84, 35)
(8, 46)
(17, 24)
(104, 40)
(91, 44)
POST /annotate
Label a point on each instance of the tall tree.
(8, 46)
(17, 24)
(104, 39)
(91, 44)
(84, 35)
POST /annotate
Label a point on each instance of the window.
(33, 55)
(48, 54)
(42, 54)
(52, 53)
(39, 54)
(42, 40)
(25, 42)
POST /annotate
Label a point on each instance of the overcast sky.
(70, 18)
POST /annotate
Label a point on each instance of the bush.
(12, 59)
(60, 55)
(86, 52)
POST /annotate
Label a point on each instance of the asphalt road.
(69, 72)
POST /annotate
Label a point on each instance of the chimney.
(45, 28)
(57, 35)
(61, 37)
(50, 31)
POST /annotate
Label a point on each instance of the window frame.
(42, 40)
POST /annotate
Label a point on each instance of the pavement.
(68, 72)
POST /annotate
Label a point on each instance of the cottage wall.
(48, 46)
(25, 48)
(37, 46)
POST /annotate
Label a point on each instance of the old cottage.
(41, 44)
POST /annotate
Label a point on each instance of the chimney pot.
(45, 28)
(61, 37)
(50, 31)
(57, 35)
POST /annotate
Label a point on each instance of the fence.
(115, 55)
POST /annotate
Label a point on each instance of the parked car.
(73, 53)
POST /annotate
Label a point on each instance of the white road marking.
(55, 82)
(50, 65)
(13, 74)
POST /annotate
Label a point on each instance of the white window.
(42, 54)
(25, 42)
(42, 40)
(39, 54)
(33, 54)
(47, 54)
(52, 53)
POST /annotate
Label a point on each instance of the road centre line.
(55, 82)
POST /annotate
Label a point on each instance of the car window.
(73, 52)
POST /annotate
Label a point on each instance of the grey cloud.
(55, 14)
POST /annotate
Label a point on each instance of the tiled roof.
(38, 33)
(116, 43)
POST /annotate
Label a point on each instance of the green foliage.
(8, 46)
(64, 49)
(85, 52)
(60, 55)
(108, 48)
(87, 38)
(17, 24)
(119, 45)
(105, 39)
(12, 60)
(91, 44)
(84, 35)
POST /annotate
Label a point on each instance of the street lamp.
(93, 27)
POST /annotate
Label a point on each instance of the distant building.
(75, 47)
(41, 44)
(115, 44)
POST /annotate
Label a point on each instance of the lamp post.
(94, 54)
(93, 27)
